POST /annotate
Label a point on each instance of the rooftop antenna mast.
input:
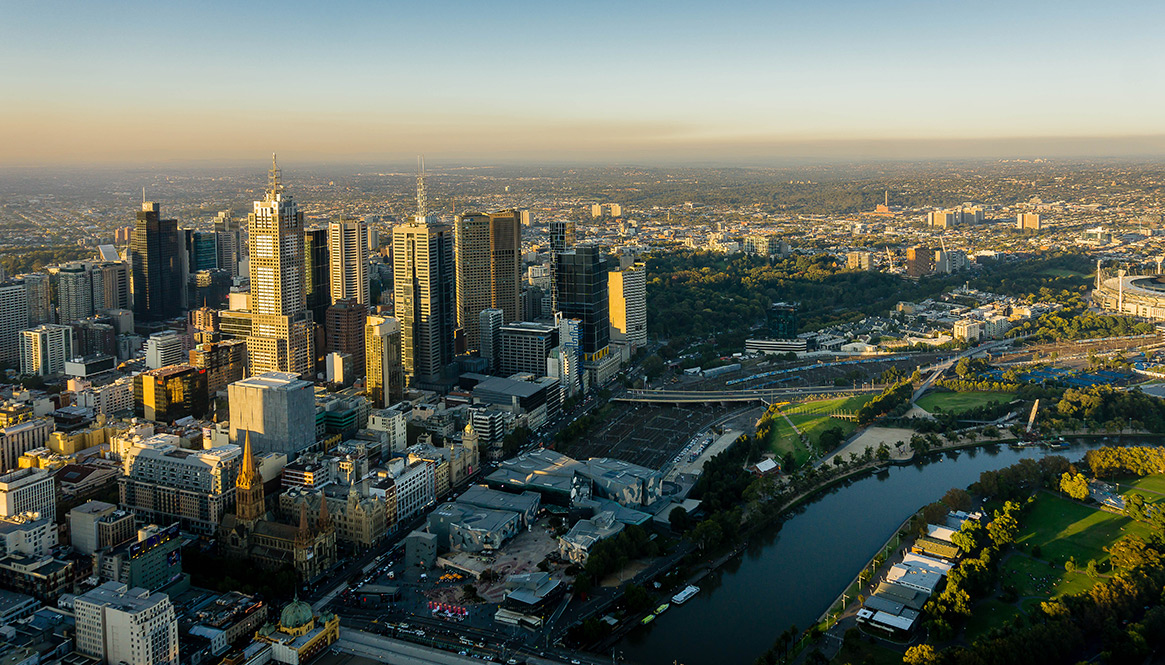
(273, 178)
(422, 202)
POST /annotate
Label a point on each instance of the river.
(791, 574)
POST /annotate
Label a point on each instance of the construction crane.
(890, 258)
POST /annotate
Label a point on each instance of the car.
(575, 661)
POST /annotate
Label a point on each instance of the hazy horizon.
(682, 82)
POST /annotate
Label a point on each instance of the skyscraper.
(386, 380)
(281, 328)
(202, 246)
(229, 243)
(316, 268)
(423, 289)
(628, 304)
(344, 331)
(488, 249)
(562, 238)
(490, 325)
(157, 271)
(38, 291)
(74, 292)
(276, 410)
(348, 260)
(582, 294)
(13, 319)
(44, 349)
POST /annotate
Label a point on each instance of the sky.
(594, 81)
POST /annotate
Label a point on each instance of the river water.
(791, 574)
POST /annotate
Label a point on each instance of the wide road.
(396, 652)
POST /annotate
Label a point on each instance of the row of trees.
(1077, 324)
(895, 398)
(1113, 461)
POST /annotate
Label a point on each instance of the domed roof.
(296, 615)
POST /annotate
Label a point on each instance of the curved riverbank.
(792, 570)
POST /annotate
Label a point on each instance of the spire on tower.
(422, 203)
(273, 185)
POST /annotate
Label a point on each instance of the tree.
(883, 452)
(707, 534)
(678, 519)
(1003, 528)
(1075, 486)
(653, 367)
(957, 499)
(921, 654)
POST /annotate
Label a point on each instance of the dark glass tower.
(581, 282)
(315, 264)
(157, 271)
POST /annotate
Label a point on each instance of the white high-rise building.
(117, 624)
(281, 337)
(44, 349)
(13, 319)
(164, 349)
(28, 491)
(627, 295)
(348, 259)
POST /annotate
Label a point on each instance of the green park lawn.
(1034, 577)
(959, 402)
(1063, 529)
(989, 614)
(812, 418)
(1154, 487)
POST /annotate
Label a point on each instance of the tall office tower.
(202, 246)
(117, 624)
(582, 295)
(93, 336)
(627, 289)
(344, 331)
(316, 267)
(281, 329)
(165, 348)
(488, 249)
(44, 349)
(386, 377)
(277, 409)
(74, 292)
(562, 238)
(170, 393)
(423, 290)
(13, 319)
(525, 346)
(229, 243)
(348, 260)
(110, 282)
(490, 324)
(39, 293)
(157, 269)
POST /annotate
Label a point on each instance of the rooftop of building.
(273, 381)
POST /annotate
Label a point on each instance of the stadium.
(1134, 295)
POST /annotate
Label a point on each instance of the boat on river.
(661, 609)
(685, 595)
(648, 619)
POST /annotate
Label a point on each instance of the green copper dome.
(296, 615)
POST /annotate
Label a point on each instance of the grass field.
(1033, 577)
(1151, 485)
(1063, 528)
(959, 402)
(812, 418)
(989, 614)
